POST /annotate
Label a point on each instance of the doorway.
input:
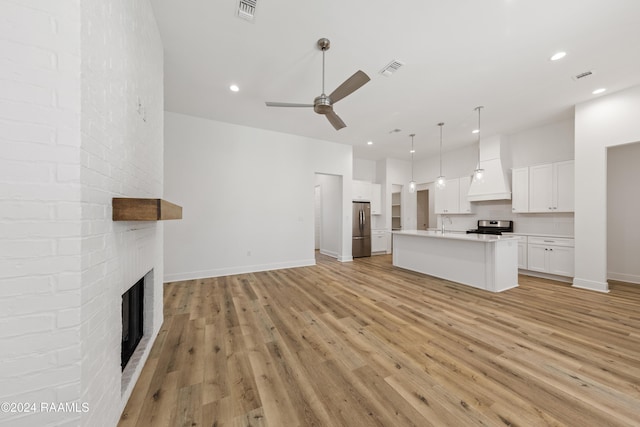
(318, 217)
(623, 201)
(328, 214)
(422, 209)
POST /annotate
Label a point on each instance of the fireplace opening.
(132, 320)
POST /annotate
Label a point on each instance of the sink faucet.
(442, 218)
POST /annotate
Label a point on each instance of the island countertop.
(456, 235)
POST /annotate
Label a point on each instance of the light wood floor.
(366, 344)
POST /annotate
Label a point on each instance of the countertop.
(517, 233)
(455, 235)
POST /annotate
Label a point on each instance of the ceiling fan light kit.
(323, 104)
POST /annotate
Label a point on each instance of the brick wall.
(80, 122)
(122, 155)
(40, 228)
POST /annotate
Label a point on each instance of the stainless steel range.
(488, 226)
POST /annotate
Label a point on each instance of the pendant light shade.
(441, 181)
(478, 174)
(412, 183)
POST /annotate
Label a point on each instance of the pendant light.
(478, 174)
(441, 180)
(412, 183)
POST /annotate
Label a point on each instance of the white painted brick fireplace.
(81, 121)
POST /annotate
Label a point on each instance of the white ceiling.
(458, 54)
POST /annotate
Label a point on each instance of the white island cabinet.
(483, 261)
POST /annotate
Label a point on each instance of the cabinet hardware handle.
(549, 241)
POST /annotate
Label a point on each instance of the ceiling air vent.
(582, 75)
(391, 68)
(246, 9)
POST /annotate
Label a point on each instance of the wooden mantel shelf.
(131, 209)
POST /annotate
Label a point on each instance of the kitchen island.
(483, 261)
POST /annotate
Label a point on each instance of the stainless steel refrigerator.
(361, 243)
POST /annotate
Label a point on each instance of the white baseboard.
(228, 271)
(546, 276)
(332, 254)
(345, 258)
(623, 277)
(591, 285)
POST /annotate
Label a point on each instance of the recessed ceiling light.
(558, 55)
(369, 142)
(412, 151)
(599, 91)
(475, 131)
(234, 88)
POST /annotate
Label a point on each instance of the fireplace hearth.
(132, 320)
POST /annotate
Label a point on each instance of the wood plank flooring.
(367, 344)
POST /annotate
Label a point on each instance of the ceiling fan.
(323, 104)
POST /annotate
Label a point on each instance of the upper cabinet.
(551, 187)
(361, 191)
(364, 191)
(520, 190)
(376, 199)
(452, 199)
(544, 188)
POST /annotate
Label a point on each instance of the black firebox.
(132, 320)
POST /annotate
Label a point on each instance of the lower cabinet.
(550, 255)
(378, 241)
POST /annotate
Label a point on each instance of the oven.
(490, 226)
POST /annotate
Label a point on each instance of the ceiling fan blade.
(353, 83)
(286, 104)
(335, 120)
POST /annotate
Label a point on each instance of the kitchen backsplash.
(543, 223)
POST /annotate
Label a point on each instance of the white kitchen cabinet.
(361, 191)
(452, 199)
(550, 255)
(378, 241)
(520, 190)
(376, 199)
(551, 187)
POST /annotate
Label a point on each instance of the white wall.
(40, 217)
(247, 197)
(331, 213)
(543, 144)
(623, 205)
(364, 170)
(604, 122)
(71, 140)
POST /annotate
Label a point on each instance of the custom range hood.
(495, 184)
